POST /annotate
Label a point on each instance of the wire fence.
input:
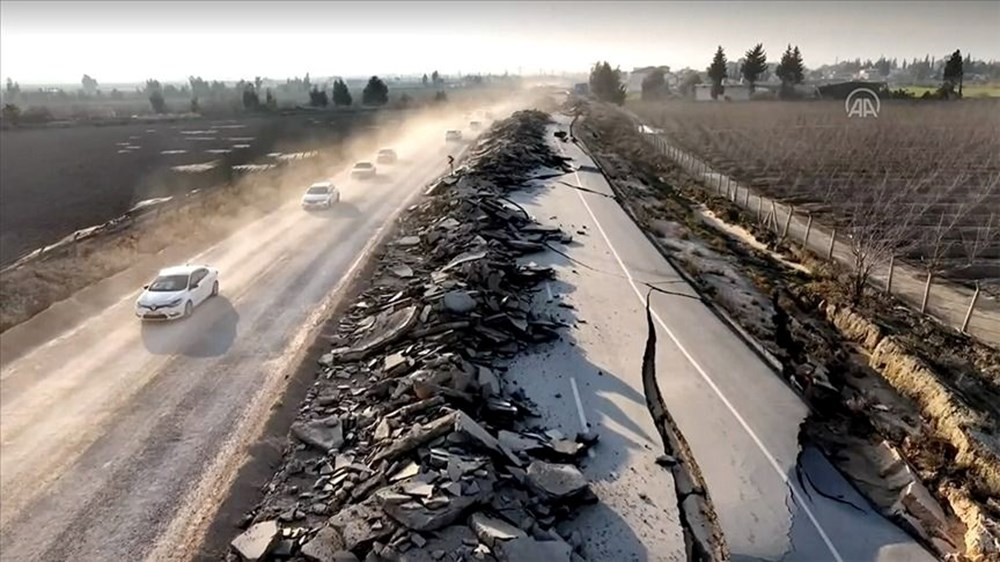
(954, 305)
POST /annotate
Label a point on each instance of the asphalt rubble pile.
(408, 447)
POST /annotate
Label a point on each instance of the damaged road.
(410, 446)
(773, 500)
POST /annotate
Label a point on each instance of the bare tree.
(877, 227)
(976, 240)
(954, 202)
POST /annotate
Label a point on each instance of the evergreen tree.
(717, 73)
(606, 83)
(790, 70)
(954, 71)
(375, 92)
(341, 94)
(754, 66)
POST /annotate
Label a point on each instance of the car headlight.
(175, 302)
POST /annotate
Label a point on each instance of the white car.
(453, 136)
(386, 156)
(475, 125)
(176, 291)
(320, 195)
(363, 170)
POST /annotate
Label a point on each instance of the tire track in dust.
(59, 435)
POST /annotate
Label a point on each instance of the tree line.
(607, 83)
(250, 95)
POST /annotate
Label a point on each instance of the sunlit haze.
(57, 42)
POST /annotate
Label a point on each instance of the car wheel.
(188, 309)
(215, 289)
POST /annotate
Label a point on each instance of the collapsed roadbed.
(409, 446)
(904, 408)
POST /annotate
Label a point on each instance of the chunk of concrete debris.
(459, 302)
(490, 530)
(489, 383)
(324, 546)
(515, 442)
(527, 548)
(441, 544)
(470, 427)
(464, 258)
(567, 448)
(362, 523)
(402, 271)
(395, 364)
(382, 430)
(418, 488)
(407, 241)
(324, 434)
(418, 436)
(448, 223)
(254, 543)
(388, 326)
(666, 460)
(418, 517)
(556, 481)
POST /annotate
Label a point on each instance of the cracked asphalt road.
(739, 418)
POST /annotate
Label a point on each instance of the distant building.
(633, 83)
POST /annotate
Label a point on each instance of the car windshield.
(385, 151)
(363, 165)
(320, 190)
(166, 283)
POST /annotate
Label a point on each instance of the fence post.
(788, 222)
(833, 240)
(746, 200)
(760, 203)
(809, 225)
(892, 267)
(927, 292)
(774, 215)
(972, 306)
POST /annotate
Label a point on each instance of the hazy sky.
(54, 42)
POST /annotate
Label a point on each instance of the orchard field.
(922, 180)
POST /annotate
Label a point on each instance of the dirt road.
(118, 437)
